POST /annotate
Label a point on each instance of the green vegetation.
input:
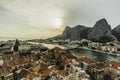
(85, 43)
(117, 35)
(60, 66)
(119, 49)
(57, 37)
(111, 44)
(104, 39)
(47, 77)
(24, 47)
(42, 49)
(25, 52)
(58, 62)
(3, 44)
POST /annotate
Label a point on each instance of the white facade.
(109, 48)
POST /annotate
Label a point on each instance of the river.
(97, 56)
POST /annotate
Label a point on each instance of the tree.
(111, 44)
(85, 43)
(60, 66)
(105, 39)
(3, 44)
(25, 52)
(107, 77)
(42, 49)
(47, 77)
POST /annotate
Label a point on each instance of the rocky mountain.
(116, 32)
(75, 33)
(100, 29)
(67, 32)
(100, 32)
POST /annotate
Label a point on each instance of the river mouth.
(97, 56)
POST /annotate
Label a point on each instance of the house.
(46, 73)
(103, 71)
(94, 45)
(57, 49)
(75, 71)
(57, 74)
(109, 48)
(85, 59)
(111, 73)
(6, 50)
(73, 44)
(36, 51)
(113, 64)
(1, 62)
(25, 73)
(36, 68)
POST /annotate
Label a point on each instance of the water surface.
(97, 56)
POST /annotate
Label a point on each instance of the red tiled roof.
(27, 73)
(53, 68)
(85, 59)
(67, 61)
(33, 75)
(23, 74)
(46, 73)
(114, 64)
(57, 49)
(43, 66)
(36, 68)
(37, 51)
(63, 72)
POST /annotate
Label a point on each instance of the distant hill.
(56, 37)
(10, 38)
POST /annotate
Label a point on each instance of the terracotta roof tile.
(63, 72)
(36, 68)
(57, 49)
(23, 74)
(85, 59)
(46, 73)
(113, 64)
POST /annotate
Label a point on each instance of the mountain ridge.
(100, 30)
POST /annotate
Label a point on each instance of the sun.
(57, 22)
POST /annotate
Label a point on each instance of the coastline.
(100, 51)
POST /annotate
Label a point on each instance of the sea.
(10, 38)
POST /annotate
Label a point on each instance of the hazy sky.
(46, 18)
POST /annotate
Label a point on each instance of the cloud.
(87, 12)
(28, 20)
(8, 17)
(33, 18)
